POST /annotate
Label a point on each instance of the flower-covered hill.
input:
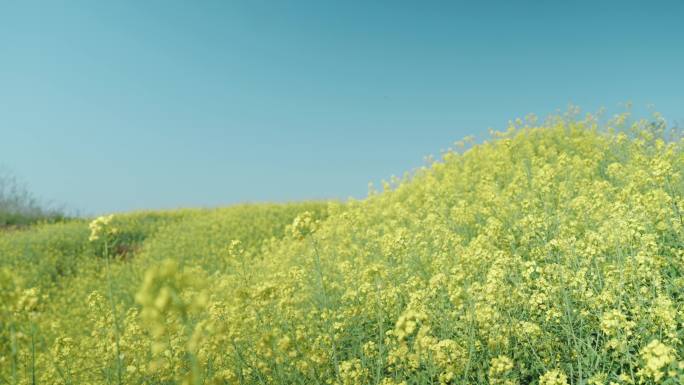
(550, 255)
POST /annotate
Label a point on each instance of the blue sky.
(124, 105)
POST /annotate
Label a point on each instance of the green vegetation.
(552, 255)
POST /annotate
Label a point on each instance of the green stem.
(319, 270)
(13, 336)
(115, 320)
(33, 354)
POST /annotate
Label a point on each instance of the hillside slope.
(550, 255)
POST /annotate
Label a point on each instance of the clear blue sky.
(122, 105)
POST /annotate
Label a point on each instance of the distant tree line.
(19, 207)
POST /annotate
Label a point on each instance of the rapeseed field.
(550, 254)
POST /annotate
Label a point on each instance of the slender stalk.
(319, 270)
(115, 321)
(13, 335)
(33, 353)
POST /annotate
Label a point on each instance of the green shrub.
(18, 207)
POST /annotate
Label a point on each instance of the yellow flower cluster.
(303, 225)
(553, 377)
(500, 370)
(101, 226)
(657, 357)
